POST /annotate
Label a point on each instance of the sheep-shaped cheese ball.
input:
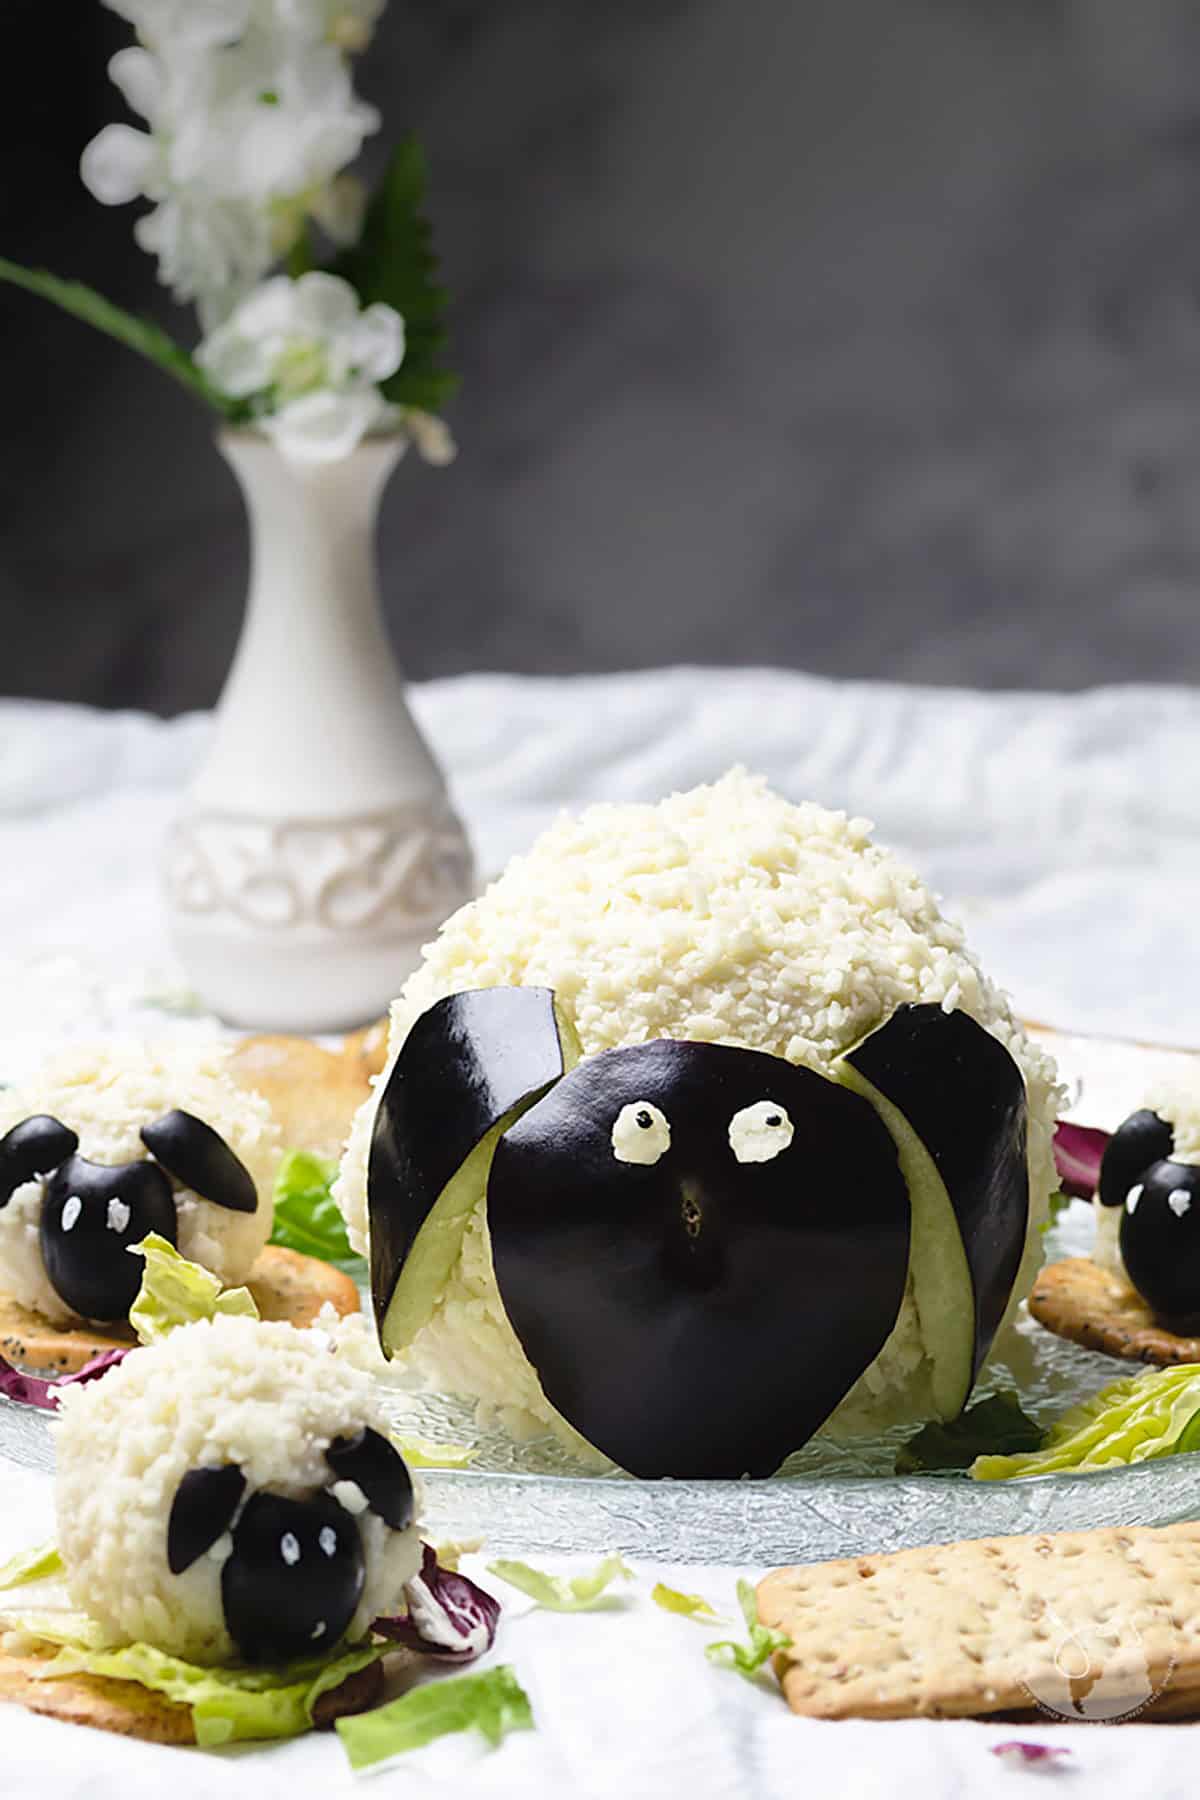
(230, 1493)
(722, 916)
(108, 1143)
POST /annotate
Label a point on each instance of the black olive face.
(701, 1249)
(33, 1147)
(91, 1217)
(294, 1579)
(1160, 1240)
(1143, 1139)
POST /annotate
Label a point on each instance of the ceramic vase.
(316, 850)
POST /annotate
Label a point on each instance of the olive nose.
(694, 1247)
(92, 1214)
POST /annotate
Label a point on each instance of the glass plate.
(830, 1499)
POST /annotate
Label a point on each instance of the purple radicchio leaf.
(33, 1390)
(448, 1615)
(1031, 1756)
(1078, 1150)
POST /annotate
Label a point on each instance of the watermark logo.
(1099, 1671)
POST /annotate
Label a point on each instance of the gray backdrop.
(861, 336)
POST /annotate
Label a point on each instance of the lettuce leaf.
(37, 1564)
(494, 1703)
(176, 1292)
(562, 1593)
(997, 1425)
(419, 1453)
(59, 1625)
(691, 1606)
(307, 1217)
(1133, 1420)
(748, 1659)
(227, 1705)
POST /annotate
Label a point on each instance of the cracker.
(314, 1093)
(118, 1706)
(133, 1711)
(367, 1049)
(1087, 1625)
(286, 1286)
(1077, 1299)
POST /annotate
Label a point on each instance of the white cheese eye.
(759, 1132)
(640, 1133)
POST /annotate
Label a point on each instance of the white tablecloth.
(1067, 829)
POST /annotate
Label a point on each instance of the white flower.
(346, 23)
(243, 142)
(203, 24)
(186, 24)
(307, 352)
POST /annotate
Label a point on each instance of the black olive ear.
(202, 1511)
(1141, 1140)
(33, 1147)
(199, 1157)
(377, 1467)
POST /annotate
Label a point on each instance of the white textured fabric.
(1067, 829)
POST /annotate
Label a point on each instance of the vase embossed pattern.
(316, 849)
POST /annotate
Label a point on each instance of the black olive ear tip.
(33, 1147)
(202, 1511)
(1142, 1139)
(375, 1466)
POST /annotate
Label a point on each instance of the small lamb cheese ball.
(726, 915)
(106, 1094)
(231, 1394)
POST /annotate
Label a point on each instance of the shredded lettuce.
(748, 1659)
(176, 1292)
(61, 1626)
(420, 1453)
(692, 1606)
(997, 1425)
(1133, 1420)
(562, 1593)
(307, 1217)
(38, 1564)
(493, 1703)
(227, 1705)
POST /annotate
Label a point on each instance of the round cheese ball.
(265, 1399)
(727, 915)
(106, 1094)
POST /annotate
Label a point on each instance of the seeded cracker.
(287, 1287)
(1079, 1625)
(1077, 1299)
(129, 1710)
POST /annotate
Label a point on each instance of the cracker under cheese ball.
(108, 1143)
(231, 1494)
(701, 1130)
